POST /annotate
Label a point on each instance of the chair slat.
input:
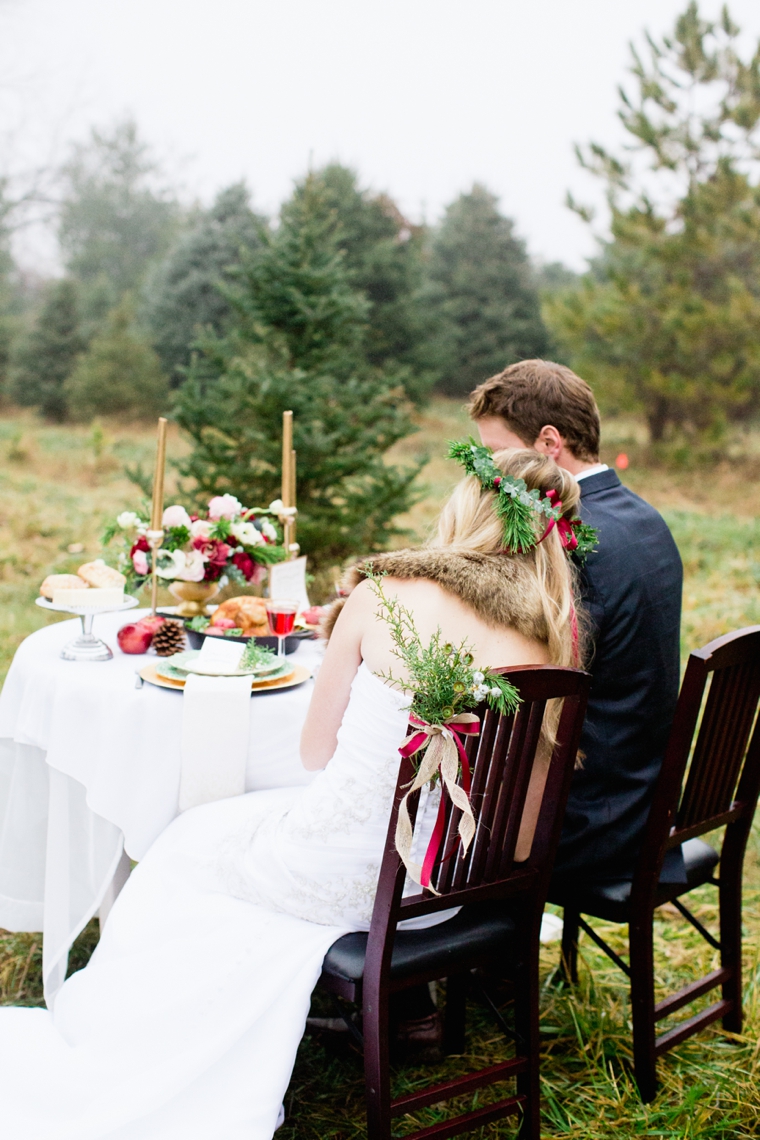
(508, 791)
(721, 744)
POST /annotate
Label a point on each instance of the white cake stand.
(87, 647)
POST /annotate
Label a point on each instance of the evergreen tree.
(297, 343)
(669, 318)
(119, 375)
(384, 254)
(113, 221)
(185, 294)
(7, 312)
(47, 357)
(481, 294)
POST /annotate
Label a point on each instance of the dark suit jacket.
(632, 590)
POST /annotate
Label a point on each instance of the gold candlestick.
(288, 494)
(293, 548)
(155, 535)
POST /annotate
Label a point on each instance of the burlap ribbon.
(442, 750)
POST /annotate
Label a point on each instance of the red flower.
(245, 565)
(141, 544)
(215, 553)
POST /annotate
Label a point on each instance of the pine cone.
(169, 638)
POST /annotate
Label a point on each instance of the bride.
(186, 1022)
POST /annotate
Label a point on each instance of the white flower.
(494, 691)
(480, 692)
(278, 508)
(175, 516)
(477, 678)
(268, 530)
(246, 533)
(194, 568)
(170, 563)
(224, 507)
(128, 519)
(201, 528)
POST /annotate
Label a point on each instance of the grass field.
(57, 487)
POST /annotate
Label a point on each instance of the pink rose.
(175, 516)
(140, 562)
(224, 507)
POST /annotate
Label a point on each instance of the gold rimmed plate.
(299, 674)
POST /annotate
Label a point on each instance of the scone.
(60, 582)
(100, 576)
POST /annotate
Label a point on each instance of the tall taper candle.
(293, 548)
(158, 478)
(155, 535)
(287, 452)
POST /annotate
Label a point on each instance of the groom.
(631, 587)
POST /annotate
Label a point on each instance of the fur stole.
(502, 590)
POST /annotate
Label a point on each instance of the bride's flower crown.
(521, 511)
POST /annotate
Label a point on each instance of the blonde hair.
(544, 575)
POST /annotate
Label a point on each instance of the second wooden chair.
(721, 766)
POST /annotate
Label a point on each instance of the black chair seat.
(611, 900)
(440, 950)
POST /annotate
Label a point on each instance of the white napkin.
(215, 723)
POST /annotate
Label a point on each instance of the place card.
(288, 580)
(215, 651)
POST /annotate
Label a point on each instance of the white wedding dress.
(185, 1024)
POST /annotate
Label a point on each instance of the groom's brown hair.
(532, 393)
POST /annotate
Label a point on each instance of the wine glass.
(281, 615)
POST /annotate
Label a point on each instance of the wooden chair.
(368, 968)
(720, 790)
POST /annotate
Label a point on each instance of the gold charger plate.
(300, 674)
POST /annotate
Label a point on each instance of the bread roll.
(99, 575)
(60, 582)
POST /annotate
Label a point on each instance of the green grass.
(57, 487)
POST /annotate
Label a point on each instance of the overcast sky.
(423, 97)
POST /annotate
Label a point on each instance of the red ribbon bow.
(420, 740)
(567, 535)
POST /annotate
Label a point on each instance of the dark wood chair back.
(501, 760)
(710, 776)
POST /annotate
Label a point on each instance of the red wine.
(281, 622)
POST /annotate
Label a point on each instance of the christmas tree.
(299, 342)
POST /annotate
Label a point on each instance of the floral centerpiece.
(444, 686)
(226, 543)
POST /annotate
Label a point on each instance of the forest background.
(374, 330)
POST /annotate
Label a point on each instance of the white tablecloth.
(90, 767)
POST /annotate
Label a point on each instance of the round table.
(89, 775)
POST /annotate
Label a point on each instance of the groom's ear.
(549, 441)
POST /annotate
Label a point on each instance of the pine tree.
(119, 375)
(7, 311)
(384, 254)
(481, 294)
(298, 343)
(47, 357)
(114, 221)
(185, 295)
(668, 321)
